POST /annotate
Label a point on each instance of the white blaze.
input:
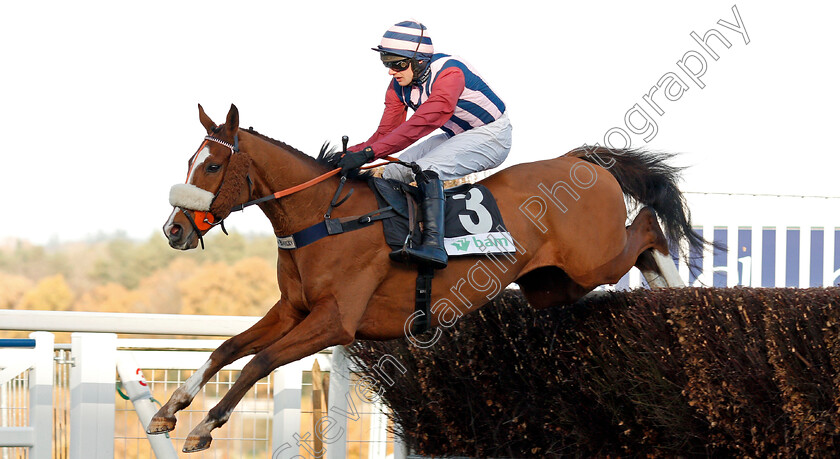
(171, 220)
(200, 157)
(188, 196)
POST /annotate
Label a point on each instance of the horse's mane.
(320, 160)
(327, 158)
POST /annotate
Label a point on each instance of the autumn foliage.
(236, 275)
(685, 372)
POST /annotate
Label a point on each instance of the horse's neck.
(275, 169)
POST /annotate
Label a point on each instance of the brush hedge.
(674, 372)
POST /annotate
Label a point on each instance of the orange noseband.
(203, 220)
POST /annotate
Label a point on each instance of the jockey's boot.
(431, 251)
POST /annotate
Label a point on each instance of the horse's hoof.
(161, 424)
(195, 443)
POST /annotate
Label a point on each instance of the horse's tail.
(648, 178)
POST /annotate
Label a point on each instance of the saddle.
(473, 224)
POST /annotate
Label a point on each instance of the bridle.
(203, 221)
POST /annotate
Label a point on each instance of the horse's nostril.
(175, 230)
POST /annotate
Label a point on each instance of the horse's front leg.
(279, 321)
(322, 328)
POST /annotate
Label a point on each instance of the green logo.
(462, 245)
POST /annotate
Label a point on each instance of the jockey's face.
(403, 77)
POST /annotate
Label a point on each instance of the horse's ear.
(232, 123)
(205, 120)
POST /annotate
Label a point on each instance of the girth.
(332, 226)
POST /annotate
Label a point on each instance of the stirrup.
(433, 256)
(399, 255)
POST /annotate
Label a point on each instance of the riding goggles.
(398, 66)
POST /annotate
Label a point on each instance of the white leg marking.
(193, 383)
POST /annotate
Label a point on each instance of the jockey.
(444, 92)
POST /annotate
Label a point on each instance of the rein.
(307, 184)
(288, 191)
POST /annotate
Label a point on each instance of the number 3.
(473, 203)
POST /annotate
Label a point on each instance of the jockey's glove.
(355, 159)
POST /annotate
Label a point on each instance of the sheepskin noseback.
(187, 196)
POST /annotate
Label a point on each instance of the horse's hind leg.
(643, 233)
(656, 266)
(551, 286)
(659, 270)
(320, 329)
(267, 330)
(646, 231)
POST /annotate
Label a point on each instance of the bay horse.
(567, 217)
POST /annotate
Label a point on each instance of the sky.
(98, 100)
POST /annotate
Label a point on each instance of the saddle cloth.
(473, 224)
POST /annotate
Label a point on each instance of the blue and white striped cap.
(407, 39)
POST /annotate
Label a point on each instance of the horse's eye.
(213, 168)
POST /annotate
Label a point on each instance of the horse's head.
(217, 180)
